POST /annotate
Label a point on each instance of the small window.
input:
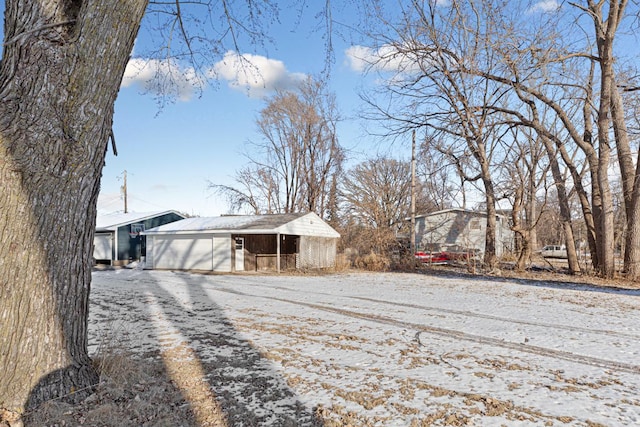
(475, 224)
(239, 243)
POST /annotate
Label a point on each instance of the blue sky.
(171, 154)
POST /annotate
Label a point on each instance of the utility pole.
(124, 191)
(413, 194)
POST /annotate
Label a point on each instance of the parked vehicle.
(445, 257)
(432, 257)
(554, 251)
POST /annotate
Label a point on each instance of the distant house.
(243, 243)
(118, 238)
(460, 230)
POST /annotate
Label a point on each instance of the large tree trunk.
(490, 258)
(605, 34)
(60, 74)
(531, 211)
(565, 211)
(630, 187)
(522, 231)
(632, 260)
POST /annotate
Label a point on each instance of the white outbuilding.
(454, 230)
(243, 243)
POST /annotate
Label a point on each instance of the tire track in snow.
(470, 314)
(452, 333)
(503, 319)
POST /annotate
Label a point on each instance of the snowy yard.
(367, 349)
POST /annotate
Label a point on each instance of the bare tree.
(375, 195)
(538, 60)
(555, 59)
(428, 89)
(255, 192)
(438, 178)
(527, 171)
(295, 165)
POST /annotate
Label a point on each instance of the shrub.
(373, 262)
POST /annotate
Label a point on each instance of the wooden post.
(278, 252)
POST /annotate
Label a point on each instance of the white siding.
(182, 252)
(102, 244)
(316, 252)
(222, 252)
(148, 262)
(308, 225)
(460, 229)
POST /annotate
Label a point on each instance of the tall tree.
(606, 26)
(527, 170)
(556, 57)
(423, 48)
(538, 59)
(295, 165)
(59, 76)
(375, 195)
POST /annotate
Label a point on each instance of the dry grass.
(372, 262)
(343, 263)
(132, 391)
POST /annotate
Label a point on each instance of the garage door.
(222, 253)
(102, 244)
(183, 252)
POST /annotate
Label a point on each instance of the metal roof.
(250, 224)
(110, 222)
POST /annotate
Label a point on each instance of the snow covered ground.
(386, 349)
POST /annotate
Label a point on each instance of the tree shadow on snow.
(611, 288)
(215, 368)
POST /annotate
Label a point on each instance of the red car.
(432, 258)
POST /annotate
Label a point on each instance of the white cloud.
(165, 77)
(256, 75)
(359, 58)
(387, 58)
(545, 6)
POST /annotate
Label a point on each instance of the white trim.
(278, 252)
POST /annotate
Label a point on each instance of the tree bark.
(59, 77)
(605, 34)
(630, 186)
(632, 260)
(565, 211)
(522, 231)
(490, 259)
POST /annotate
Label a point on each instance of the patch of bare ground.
(137, 392)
